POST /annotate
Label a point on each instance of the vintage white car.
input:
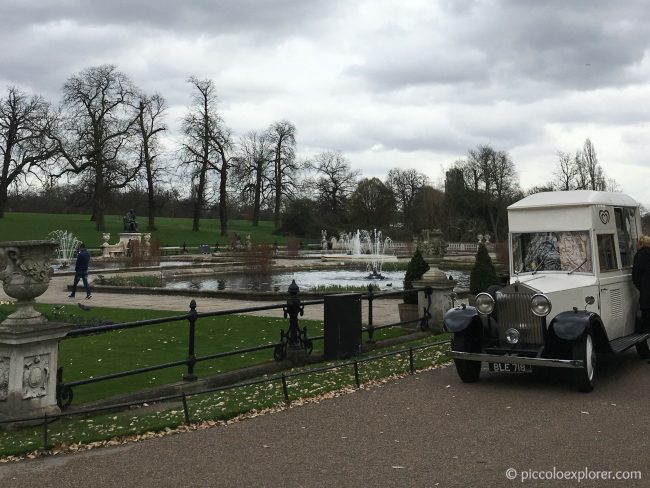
(570, 295)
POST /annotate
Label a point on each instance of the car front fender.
(459, 318)
(572, 324)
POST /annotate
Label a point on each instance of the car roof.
(574, 198)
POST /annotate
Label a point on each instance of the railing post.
(426, 315)
(285, 389)
(356, 374)
(185, 409)
(297, 343)
(371, 327)
(63, 392)
(191, 358)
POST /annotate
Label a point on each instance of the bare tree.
(151, 111)
(282, 135)
(582, 172)
(252, 167)
(505, 184)
(335, 180)
(492, 183)
(207, 146)
(100, 126)
(566, 172)
(593, 170)
(405, 185)
(26, 126)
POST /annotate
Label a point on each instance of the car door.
(612, 288)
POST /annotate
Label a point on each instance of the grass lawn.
(171, 231)
(220, 405)
(123, 350)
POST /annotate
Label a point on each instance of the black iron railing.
(293, 343)
(182, 397)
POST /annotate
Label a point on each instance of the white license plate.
(510, 368)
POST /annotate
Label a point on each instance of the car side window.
(606, 252)
(624, 234)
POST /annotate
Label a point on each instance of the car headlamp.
(484, 303)
(540, 305)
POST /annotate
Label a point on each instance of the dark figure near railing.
(130, 225)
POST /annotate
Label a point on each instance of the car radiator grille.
(513, 311)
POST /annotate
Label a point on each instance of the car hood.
(556, 282)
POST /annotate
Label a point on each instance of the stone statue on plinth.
(130, 225)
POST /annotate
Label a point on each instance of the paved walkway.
(426, 430)
(384, 311)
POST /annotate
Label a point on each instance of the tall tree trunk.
(152, 208)
(256, 201)
(99, 202)
(3, 200)
(198, 202)
(151, 225)
(278, 190)
(493, 212)
(223, 195)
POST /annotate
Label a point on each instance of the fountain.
(352, 242)
(370, 248)
(67, 246)
(378, 248)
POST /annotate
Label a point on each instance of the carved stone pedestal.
(28, 343)
(28, 359)
(440, 296)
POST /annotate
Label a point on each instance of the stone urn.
(25, 272)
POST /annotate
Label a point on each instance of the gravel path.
(424, 430)
(384, 311)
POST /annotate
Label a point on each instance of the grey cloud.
(553, 46)
(197, 16)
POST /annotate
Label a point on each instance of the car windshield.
(568, 251)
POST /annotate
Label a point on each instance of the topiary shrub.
(483, 273)
(414, 271)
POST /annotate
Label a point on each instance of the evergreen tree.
(414, 271)
(483, 274)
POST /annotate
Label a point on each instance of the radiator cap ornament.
(512, 336)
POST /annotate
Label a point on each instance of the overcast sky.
(409, 83)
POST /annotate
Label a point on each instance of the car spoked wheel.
(583, 350)
(643, 349)
(469, 371)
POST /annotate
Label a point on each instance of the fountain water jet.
(67, 246)
(363, 246)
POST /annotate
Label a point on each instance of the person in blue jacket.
(81, 271)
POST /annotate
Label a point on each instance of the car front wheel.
(469, 371)
(583, 350)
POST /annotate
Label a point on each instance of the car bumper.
(508, 359)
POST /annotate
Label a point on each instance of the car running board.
(624, 343)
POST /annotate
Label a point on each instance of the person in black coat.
(641, 279)
(81, 270)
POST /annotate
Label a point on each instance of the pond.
(306, 280)
(110, 265)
